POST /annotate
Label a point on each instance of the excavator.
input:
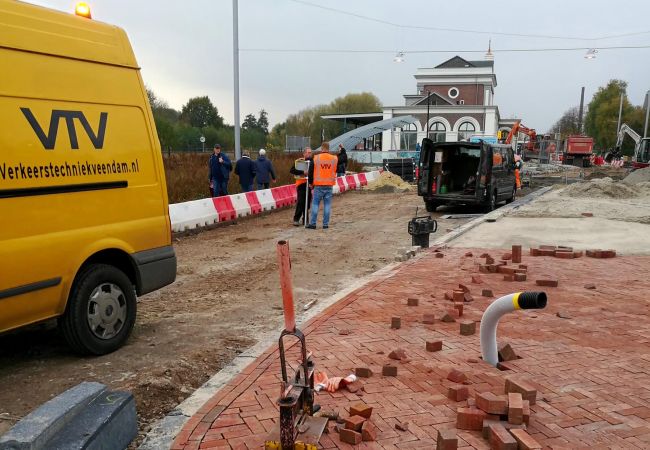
(641, 148)
(517, 128)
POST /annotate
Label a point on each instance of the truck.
(577, 150)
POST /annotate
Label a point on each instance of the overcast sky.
(185, 49)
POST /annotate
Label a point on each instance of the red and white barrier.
(199, 213)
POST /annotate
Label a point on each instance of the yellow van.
(84, 220)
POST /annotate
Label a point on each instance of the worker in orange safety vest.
(322, 177)
(302, 203)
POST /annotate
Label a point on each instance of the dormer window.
(453, 92)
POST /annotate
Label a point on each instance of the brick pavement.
(591, 370)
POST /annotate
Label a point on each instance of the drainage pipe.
(501, 306)
(284, 262)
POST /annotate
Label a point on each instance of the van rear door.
(426, 163)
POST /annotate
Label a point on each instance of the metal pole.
(647, 113)
(235, 54)
(582, 104)
(305, 215)
(427, 125)
(620, 114)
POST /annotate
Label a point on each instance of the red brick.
(543, 252)
(469, 254)
(477, 279)
(363, 372)
(548, 247)
(515, 408)
(527, 391)
(389, 371)
(587, 214)
(396, 323)
(506, 270)
(526, 412)
(489, 260)
(470, 419)
(506, 353)
(492, 404)
(523, 266)
(506, 257)
(368, 431)
(412, 301)
(439, 255)
(516, 254)
(463, 288)
(449, 296)
(593, 253)
(521, 271)
(564, 255)
(483, 268)
(459, 295)
(458, 393)
(446, 440)
(459, 308)
(350, 436)
(361, 409)
(487, 293)
(447, 317)
(590, 286)
(456, 376)
(547, 282)
(492, 268)
(534, 252)
(354, 423)
(562, 248)
(494, 420)
(525, 440)
(508, 278)
(428, 319)
(520, 277)
(434, 346)
(578, 254)
(397, 354)
(467, 327)
(608, 254)
(467, 298)
(501, 439)
(484, 255)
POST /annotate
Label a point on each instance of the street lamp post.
(235, 61)
(647, 113)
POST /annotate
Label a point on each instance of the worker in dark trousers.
(302, 212)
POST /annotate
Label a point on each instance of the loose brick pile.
(584, 376)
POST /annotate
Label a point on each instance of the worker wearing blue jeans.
(322, 176)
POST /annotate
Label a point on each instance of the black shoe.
(296, 223)
(325, 227)
(311, 227)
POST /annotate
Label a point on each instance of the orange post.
(284, 262)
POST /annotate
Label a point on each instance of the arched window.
(409, 137)
(465, 131)
(438, 132)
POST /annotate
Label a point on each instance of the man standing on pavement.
(265, 172)
(302, 204)
(220, 167)
(245, 168)
(322, 176)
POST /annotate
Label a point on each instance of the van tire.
(75, 324)
(512, 197)
(492, 203)
(431, 206)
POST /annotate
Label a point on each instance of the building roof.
(352, 138)
(458, 62)
(355, 118)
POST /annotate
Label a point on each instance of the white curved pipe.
(501, 306)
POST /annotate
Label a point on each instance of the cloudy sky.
(185, 49)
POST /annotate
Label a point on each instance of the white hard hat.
(262, 152)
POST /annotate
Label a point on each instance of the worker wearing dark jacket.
(302, 207)
(343, 161)
(219, 172)
(245, 168)
(265, 172)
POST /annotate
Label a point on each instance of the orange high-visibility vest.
(325, 169)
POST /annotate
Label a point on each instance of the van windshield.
(475, 152)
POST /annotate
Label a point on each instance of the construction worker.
(518, 166)
(302, 203)
(322, 176)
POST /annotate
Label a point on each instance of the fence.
(296, 143)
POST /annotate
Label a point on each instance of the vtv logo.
(49, 140)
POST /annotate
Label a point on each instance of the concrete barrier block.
(35, 430)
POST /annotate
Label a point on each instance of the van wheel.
(431, 206)
(492, 205)
(101, 311)
(514, 194)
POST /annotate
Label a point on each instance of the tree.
(602, 115)
(199, 112)
(569, 123)
(308, 122)
(263, 122)
(250, 122)
(276, 139)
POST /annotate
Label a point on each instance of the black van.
(466, 173)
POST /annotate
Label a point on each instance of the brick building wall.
(472, 94)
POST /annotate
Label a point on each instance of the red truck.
(577, 150)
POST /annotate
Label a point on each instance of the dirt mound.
(601, 188)
(389, 182)
(638, 176)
